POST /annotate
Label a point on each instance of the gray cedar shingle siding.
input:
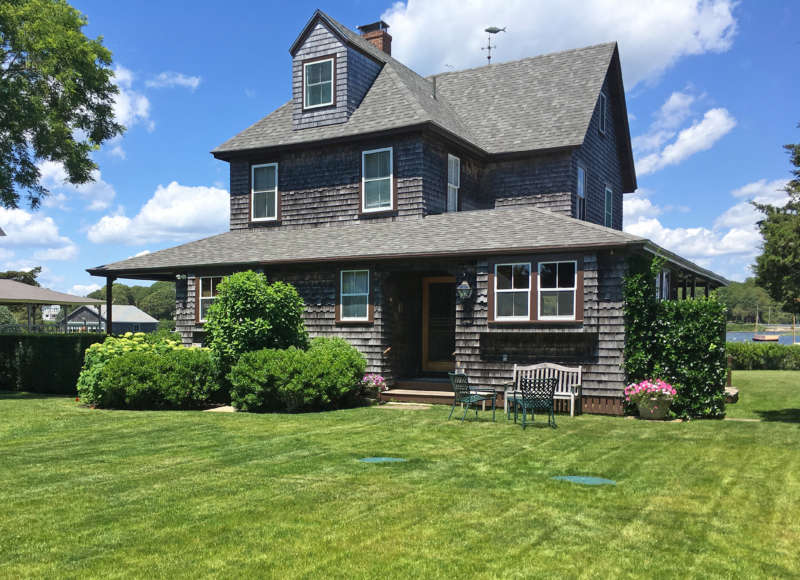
(600, 157)
(322, 186)
(361, 73)
(320, 42)
(544, 181)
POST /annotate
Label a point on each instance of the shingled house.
(377, 193)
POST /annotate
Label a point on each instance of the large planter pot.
(653, 408)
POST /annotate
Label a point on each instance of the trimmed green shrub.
(679, 341)
(250, 314)
(183, 378)
(100, 354)
(326, 376)
(43, 363)
(753, 356)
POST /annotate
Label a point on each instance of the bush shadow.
(780, 415)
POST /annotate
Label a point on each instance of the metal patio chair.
(535, 395)
(463, 395)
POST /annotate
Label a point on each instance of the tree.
(25, 276)
(160, 302)
(249, 314)
(777, 269)
(56, 96)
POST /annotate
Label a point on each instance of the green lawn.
(767, 395)
(89, 493)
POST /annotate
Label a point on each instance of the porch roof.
(511, 230)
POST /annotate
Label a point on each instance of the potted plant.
(373, 385)
(652, 397)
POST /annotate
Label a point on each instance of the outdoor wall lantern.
(464, 291)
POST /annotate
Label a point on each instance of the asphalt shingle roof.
(535, 103)
(483, 232)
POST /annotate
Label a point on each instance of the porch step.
(424, 384)
(418, 396)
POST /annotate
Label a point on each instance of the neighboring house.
(377, 192)
(124, 318)
(50, 312)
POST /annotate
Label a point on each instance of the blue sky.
(711, 91)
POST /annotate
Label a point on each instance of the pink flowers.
(374, 381)
(649, 389)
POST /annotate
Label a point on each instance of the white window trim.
(581, 214)
(497, 291)
(574, 291)
(364, 181)
(608, 207)
(455, 186)
(200, 298)
(332, 81)
(253, 193)
(603, 107)
(342, 294)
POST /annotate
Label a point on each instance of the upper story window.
(453, 182)
(580, 206)
(603, 107)
(264, 192)
(376, 180)
(609, 208)
(207, 293)
(354, 295)
(512, 291)
(318, 83)
(557, 289)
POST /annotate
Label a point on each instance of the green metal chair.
(535, 395)
(463, 395)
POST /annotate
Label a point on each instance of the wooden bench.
(568, 387)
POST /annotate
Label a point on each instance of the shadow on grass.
(781, 415)
(8, 395)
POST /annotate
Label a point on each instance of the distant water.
(748, 337)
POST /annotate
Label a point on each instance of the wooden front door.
(438, 323)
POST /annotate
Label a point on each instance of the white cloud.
(170, 79)
(653, 35)
(130, 106)
(97, 193)
(118, 151)
(174, 213)
(136, 255)
(636, 206)
(701, 136)
(25, 230)
(729, 247)
(64, 253)
(84, 289)
(671, 115)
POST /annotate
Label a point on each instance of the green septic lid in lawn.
(585, 479)
(381, 459)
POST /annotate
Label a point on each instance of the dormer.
(333, 68)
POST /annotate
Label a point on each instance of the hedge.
(753, 356)
(43, 363)
(681, 342)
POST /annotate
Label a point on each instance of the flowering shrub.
(647, 389)
(373, 383)
(99, 354)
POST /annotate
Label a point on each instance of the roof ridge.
(523, 59)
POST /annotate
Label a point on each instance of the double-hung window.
(264, 193)
(453, 182)
(609, 208)
(376, 180)
(557, 289)
(318, 83)
(580, 206)
(207, 295)
(512, 291)
(354, 295)
(603, 107)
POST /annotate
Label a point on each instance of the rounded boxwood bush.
(326, 376)
(183, 378)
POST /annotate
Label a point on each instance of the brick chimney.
(377, 34)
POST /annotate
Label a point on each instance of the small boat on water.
(766, 337)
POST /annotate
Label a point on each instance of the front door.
(438, 323)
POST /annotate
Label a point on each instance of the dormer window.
(318, 82)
